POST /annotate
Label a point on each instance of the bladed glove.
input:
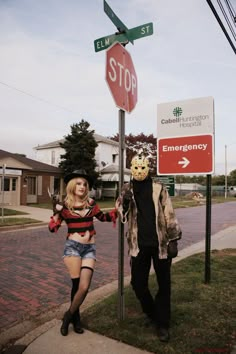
(127, 197)
(56, 204)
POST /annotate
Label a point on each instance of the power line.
(221, 24)
(226, 18)
(231, 11)
(37, 98)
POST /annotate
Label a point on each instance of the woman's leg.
(76, 316)
(74, 287)
(86, 273)
(73, 265)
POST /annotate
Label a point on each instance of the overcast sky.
(51, 77)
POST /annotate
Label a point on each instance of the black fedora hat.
(79, 173)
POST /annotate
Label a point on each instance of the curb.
(23, 226)
(27, 331)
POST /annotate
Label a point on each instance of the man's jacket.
(167, 225)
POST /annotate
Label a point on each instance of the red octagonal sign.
(121, 77)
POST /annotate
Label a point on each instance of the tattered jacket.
(167, 225)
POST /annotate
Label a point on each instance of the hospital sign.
(185, 137)
(185, 118)
(185, 155)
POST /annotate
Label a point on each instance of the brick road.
(32, 275)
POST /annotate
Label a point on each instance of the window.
(114, 158)
(56, 187)
(6, 184)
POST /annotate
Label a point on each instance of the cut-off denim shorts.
(75, 248)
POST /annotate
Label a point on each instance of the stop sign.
(121, 77)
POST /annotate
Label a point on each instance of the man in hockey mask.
(153, 231)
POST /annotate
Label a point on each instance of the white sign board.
(11, 172)
(185, 118)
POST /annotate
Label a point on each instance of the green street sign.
(169, 182)
(117, 22)
(130, 35)
(115, 19)
(124, 35)
(140, 31)
(106, 42)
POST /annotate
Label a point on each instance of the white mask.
(139, 167)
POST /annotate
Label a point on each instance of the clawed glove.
(172, 249)
(56, 205)
(127, 197)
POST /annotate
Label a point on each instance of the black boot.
(65, 322)
(76, 323)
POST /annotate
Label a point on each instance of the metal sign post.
(208, 232)
(121, 300)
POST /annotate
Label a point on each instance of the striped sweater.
(81, 224)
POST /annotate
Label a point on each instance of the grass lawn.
(10, 212)
(17, 221)
(202, 314)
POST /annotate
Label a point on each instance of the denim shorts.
(75, 248)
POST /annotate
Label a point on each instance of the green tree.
(232, 178)
(218, 180)
(80, 147)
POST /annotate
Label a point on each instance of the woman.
(79, 257)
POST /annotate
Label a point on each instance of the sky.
(51, 77)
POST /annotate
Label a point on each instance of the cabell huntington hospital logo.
(184, 121)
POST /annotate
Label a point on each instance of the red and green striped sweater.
(81, 224)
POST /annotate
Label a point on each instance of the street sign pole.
(208, 232)
(121, 305)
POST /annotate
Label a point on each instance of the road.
(32, 274)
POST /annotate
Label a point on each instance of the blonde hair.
(70, 195)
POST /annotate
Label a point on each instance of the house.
(106, 156)
(110, 178)
(24, 181)
(107, 152)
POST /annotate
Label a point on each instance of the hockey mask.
(139, 167)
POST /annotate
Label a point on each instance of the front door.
(32, 190)
(10, 192)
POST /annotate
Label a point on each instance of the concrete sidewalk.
(46, 339)
(40, 214)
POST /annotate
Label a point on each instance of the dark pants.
(157, 309)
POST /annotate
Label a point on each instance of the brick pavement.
(33, 277)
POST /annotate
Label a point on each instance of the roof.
(112, 168)
(28, 163)
(56, 143)
(111, 173)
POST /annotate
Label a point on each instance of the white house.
(107, 152)
(106, 155)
